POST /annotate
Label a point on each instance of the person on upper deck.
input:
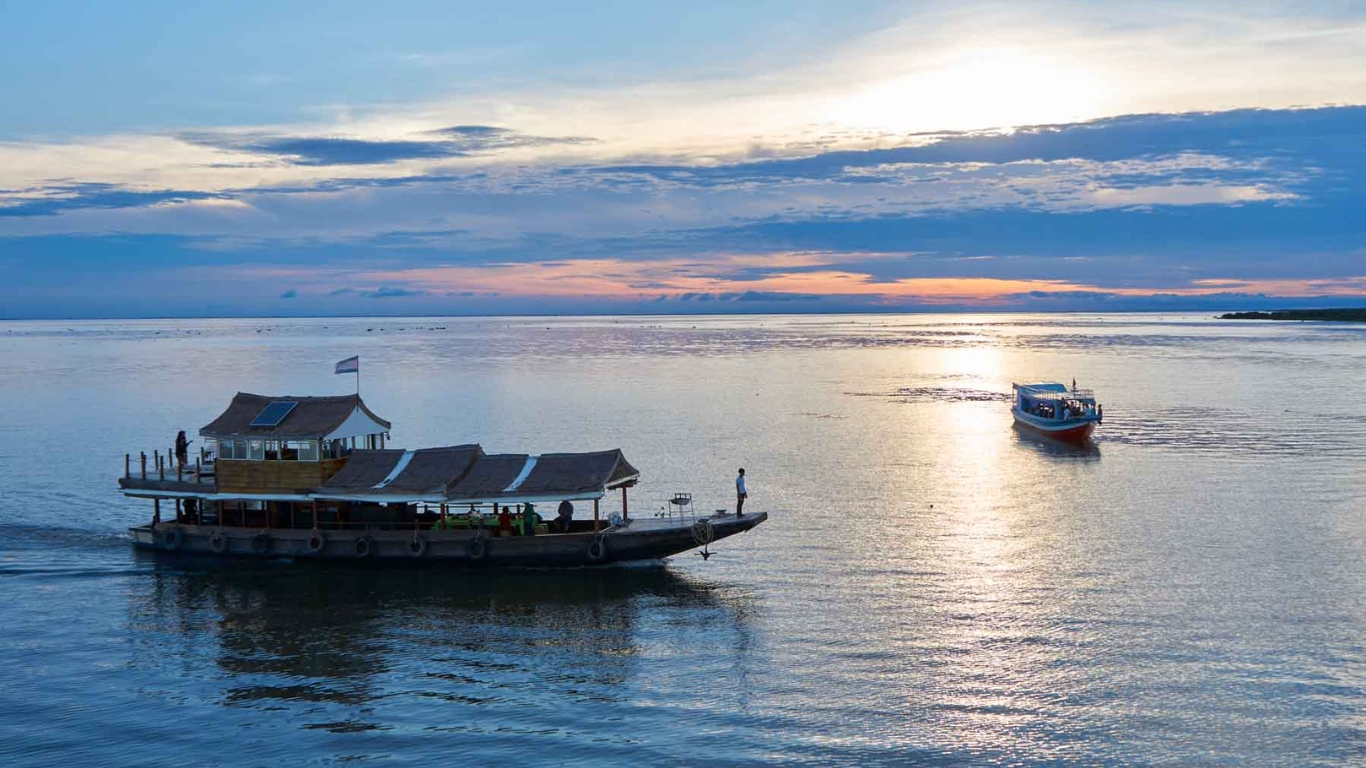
(740, 493)
(182, 448)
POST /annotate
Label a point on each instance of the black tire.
(317, 542)
(597, 550)
(417, 546)
(218, 543)
(261, 543)
(364, 547)
(478, 548)
(173, 539)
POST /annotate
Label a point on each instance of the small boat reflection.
(1047, 446)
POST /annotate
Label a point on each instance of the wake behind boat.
(311, 477)
(1057, 412)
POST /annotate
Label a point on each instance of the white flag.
(349, 365)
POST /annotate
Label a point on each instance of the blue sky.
(271, 158)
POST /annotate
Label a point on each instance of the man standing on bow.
(740, 493)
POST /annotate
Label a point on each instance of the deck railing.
(164, 468)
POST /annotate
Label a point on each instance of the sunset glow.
(1048, 157)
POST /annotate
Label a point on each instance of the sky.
(273, 158)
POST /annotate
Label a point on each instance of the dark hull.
(1075, 431)
(647, 541)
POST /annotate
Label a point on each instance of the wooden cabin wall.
(271, 476)
(330, 467)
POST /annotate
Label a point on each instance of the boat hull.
(648, 540)
(1071, 430)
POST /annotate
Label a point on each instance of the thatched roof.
(313, 417)
(465, 474)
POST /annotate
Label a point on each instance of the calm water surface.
(932, 588)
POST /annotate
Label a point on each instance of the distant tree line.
(1334, 315)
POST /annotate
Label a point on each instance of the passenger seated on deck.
(505, 522)
(565, 516)
(529, 519)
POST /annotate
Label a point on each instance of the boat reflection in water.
(332, 649)
(1044, 445)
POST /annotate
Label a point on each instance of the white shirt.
(740, 484)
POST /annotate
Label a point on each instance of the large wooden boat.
(312, 478)
(1054, 411)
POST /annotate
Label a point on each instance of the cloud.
(452, 142)
(384, 292)
(48, 201)
(1266, 201)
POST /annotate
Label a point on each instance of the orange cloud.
(805, 273)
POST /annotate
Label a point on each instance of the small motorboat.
(1057, 412)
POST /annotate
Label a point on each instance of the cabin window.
(256, 450)
(300, 450)
(225, 450)
(210, 447)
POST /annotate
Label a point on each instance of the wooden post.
(624, 515)
(179, 470)
(161, 468)
(315, 514)
(127, 465)
(156, 512)
(178, 517)
(595, 515)
(144, 465)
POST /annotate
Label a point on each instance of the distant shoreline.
(1330, 315)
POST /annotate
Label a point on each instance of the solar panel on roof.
(274, 413)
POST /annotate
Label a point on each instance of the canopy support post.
(625, 516)
(595, 515)
(156, 512)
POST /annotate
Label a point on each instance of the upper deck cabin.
(264, 444)
(1051, 400)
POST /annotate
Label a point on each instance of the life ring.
(173, 539)
(218, 543)
(703, 533)
(597, 550)
(260, 543)
(417, 546)
(364, 547)
(478, 548)
(317, 542)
